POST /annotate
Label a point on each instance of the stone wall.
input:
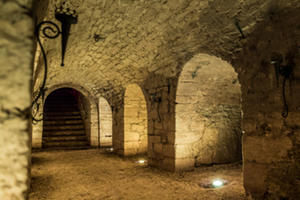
(118, 126)
(271, 155)
(135, 121)
(116, 43)
(208, 113)
(105, 120)
(16, 58)
(160, 97)
(85, 112)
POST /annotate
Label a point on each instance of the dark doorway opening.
(63, 126)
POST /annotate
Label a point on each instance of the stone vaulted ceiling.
(120, 42)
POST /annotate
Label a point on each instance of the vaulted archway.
(64, 127)
(208, 113)
(88, 110)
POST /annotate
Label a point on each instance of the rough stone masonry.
(148, 43)
(16, 59)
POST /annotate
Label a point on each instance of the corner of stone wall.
(118, 126)
(16, 60)
(270, 141)
(159, 93)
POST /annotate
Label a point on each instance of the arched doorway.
(64, 127)
(208, 113)
(135, 121)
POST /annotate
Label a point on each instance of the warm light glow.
(110, 149)
(141, 161)
(217, 183)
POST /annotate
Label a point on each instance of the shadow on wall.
(271, 153)
(208, 113)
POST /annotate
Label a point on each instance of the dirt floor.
(97, 174)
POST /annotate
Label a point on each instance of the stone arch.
(208, 113)
(105, 120)
(135, 121)
(91, 119)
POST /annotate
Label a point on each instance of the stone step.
(65, 144)
(50, 133)
(61, 104)
(59, 118)
(66, 148)
(54, 103)
(60, 110)
(63, 113)
(54, 121)
(64, 127)
(65, 138)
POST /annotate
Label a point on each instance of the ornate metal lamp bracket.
(286, 72)
(51, 30)
(67, 17)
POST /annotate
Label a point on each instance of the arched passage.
(208, 113)
(135, 121)
(105, 119)
(65, 113)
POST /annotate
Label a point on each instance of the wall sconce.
(286, 72)
(67, 17)
(51, 30)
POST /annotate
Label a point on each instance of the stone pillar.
(271, 143)
(118, 126)
(135, 121)
(160, 97)
(16, 57)
(105, 117)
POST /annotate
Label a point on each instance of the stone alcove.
(208, 113)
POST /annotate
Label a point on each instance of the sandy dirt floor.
(97, 174)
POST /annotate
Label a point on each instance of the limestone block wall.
(160, 97)
(135, 121)
(208, 113)
(105, 119)
(118, 126)
(85, 111)
(16, 57)
(116, 43)
(37, 126)
(271, 156)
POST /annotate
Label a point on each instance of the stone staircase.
(63, 127)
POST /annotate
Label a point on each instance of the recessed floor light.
(141, 161)
(217, 183)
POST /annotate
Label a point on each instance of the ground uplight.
(141, 161)
(217, 183)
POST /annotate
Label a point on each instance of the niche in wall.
(208, 113)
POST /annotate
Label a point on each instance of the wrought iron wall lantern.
(51, 30)
(286, 72)
(67, 17)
